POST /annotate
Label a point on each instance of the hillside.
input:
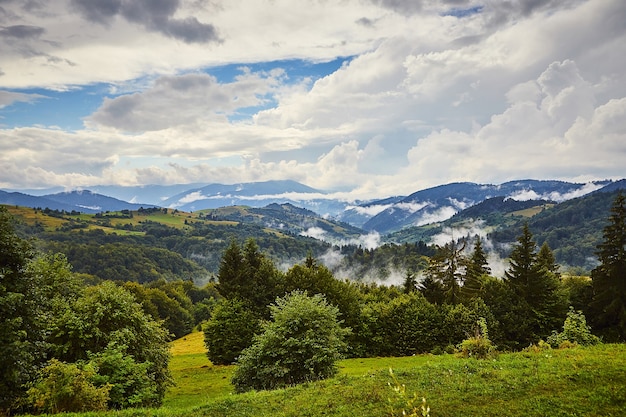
(572, 228)
(149, 244)
(442, 202)
(536, 382)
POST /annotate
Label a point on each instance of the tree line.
(530, 304)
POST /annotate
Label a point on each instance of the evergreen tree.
(537, 289)
(447, 268)
(476, 267)
(609, 278)
(432, 290)
(230, 274)
(410, 282)
(246, 274)
(546, 258)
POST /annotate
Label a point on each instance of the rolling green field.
(567, 382)
(579, 381)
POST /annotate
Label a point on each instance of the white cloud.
(517, 90)
(315, 232)
(441, 214)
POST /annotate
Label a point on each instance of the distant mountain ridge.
(81, 201)
(384, 216)
(442, 202)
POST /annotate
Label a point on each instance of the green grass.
(197, 379)
(568, 382)
(542, 383)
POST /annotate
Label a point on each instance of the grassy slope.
(569, 382)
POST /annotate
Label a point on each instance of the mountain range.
(384, 216)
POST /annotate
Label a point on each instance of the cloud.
(191, 197)
(441, 214)
(370, 210)
(156, 16)
(21, 31)
(522, 89)
(194, 97)
(7, 98)
(369, 241)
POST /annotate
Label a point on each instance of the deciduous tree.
(301, 343)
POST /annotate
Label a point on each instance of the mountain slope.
(572, 228)
(442, 202)
(286, 218)
(89, 202)
(258, 194)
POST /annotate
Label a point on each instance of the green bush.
(301, 343)
(130, 383)
(575, 331)
(478, 346)
(65, 387)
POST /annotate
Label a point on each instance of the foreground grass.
(569, 382)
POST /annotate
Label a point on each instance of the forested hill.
(572, 228)
(151, 244)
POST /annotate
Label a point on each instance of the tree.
(447, 268)
(542, 300)
(229, 331)
(476, 267)
(21, 330)
(246, 274)
(409, 284)
(108, 317)
(301, 343)
(609, 278)
(575, 330)
(545, 258)
(67, 387)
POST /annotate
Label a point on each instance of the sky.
(364, 98)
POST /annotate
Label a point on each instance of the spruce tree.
(446, 267)
(476, 268)
(546, 258)
(246, 274)
(609, 278)
(537, 289)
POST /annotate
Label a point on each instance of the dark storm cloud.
(154, 15)
(21, 31)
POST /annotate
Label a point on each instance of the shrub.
(130, 383)
(575, 331)
(478, 346)
(301, 343)
(65, 387)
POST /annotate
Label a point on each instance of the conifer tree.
(609, 278)
(246, 274)
(537, 289)
(447, 268)
(546, 258)
(476, 267)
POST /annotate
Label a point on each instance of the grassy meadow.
(579, 381)
(567, 382)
